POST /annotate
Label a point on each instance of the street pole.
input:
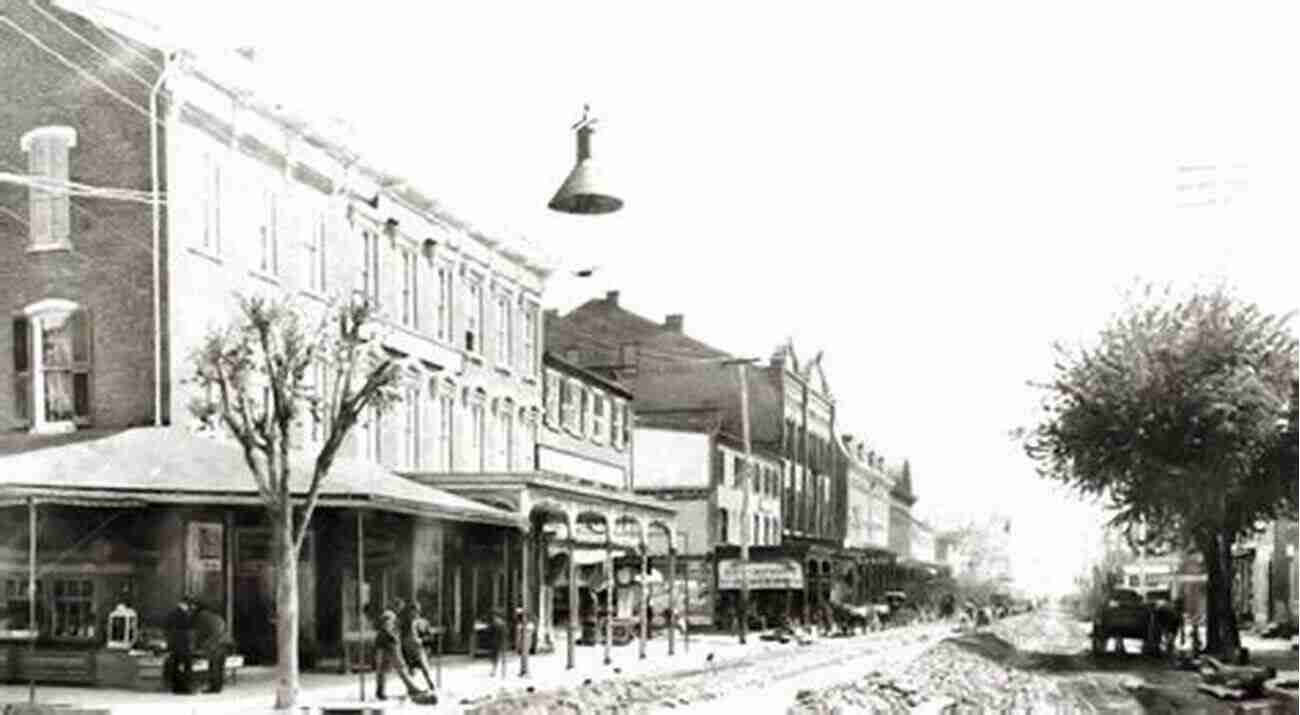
(745, 534)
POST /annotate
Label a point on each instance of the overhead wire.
(75, 67)
(114, 37)
(99, 51)
(54, 186)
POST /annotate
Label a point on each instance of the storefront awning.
(169, 465)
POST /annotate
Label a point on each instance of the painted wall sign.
(763, 575)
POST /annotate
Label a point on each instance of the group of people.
(402, 634)
(195, 630)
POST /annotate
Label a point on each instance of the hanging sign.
(763, 575)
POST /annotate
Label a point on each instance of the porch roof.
(169, 465)
(546, 487)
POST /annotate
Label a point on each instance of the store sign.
(763, 575)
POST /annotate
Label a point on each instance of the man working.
(210, 642)
(179, 670)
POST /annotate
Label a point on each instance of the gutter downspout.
(169, 64)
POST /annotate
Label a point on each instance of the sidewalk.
(463, 678)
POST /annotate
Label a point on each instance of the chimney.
(611, 297)
(674, 322)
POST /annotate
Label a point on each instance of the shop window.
(52, 365)
(73, 608)
(17, 613)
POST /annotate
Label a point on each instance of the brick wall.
(107, 270)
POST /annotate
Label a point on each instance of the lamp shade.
(585, 191)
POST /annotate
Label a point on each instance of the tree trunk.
(1221, 636)
(286, 621)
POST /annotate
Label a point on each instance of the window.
(473, 316)
(446, 411)
(503, 330)
(52, 365)
(738, 472)
(528, 335)
(210, 205)
(477, 443)
(571, 405)
(599, 423)
(74, 604)
(316, 264)
(552, 398)
(410, 290)
(371, 436)
(370, 267)
(268, 260)
(755, 533)
(442, 327)
(723, 526)
(17, 613)
(411, 430)
(49, 218)
(505, 435)
(616, 424)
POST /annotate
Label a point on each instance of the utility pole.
(745, 531)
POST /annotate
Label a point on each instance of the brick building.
(791, 416)
(257, 198)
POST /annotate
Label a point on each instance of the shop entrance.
(254, 597)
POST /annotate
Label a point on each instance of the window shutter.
(79, 325)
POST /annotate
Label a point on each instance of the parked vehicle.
(1127, 614)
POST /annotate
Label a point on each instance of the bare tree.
(261, 378)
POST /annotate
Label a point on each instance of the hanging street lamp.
(585, 191)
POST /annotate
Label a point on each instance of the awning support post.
(31, 598)
(526, 538)
(361, 607)
(645, 593)
(571, 656)
(609, 589)
(672, 597)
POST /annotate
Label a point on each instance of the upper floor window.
(410, 290)
(599, 423)
(268, 256)
(571, 406)
(474, 316)
(411, 429)
(505, 435)
(528, 335)
(210, 204)
(552, 397)
(738, 471)
(316, 264)
(370, 267)
(503, 317)
(52, 365)
(477, 430)
(616, 424)
(49, 218)
(723, 527)
(446, 432)
(442, 327)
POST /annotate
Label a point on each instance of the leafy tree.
(260, 378)
(1183, 417)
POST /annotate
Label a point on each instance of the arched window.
(52, 355)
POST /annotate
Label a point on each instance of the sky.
(930, 193)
